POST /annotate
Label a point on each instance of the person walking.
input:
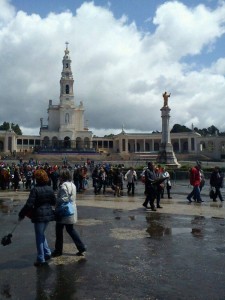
(118, 182)
(16, 178)
(159, 187)
(131, 177)
(167, 183)
(39, 203)
(150, 186)
(67, 192)
(216, 181)
(195, 180)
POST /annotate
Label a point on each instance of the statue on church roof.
(165, 97)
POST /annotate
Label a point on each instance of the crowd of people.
(50, 186)
(102, 177)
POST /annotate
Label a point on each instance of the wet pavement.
(177, 252)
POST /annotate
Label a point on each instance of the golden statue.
(165, 97)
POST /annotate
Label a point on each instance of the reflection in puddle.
(6, 205)
(197, 232)
(157, 230)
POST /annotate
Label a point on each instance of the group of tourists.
(197, 180)
(106, 176)
(17, 176)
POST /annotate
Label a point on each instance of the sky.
(125, 55)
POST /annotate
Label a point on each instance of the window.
(67, 118)
(67, 89)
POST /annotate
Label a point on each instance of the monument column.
(166, 153)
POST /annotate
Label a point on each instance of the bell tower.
(66, 81)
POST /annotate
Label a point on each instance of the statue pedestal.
(166, 154)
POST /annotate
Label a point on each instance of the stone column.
(166, 153)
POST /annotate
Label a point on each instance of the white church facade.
(65, 128)
(66, 132)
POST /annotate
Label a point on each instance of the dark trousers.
(150, 198)
(130, 187)
(218, 194)
(73, 234)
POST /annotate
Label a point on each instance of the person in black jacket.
(40, 202)
(150, 186)
(216, 181)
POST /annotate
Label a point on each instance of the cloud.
(7, 12)
(186, 31)
(119, 72)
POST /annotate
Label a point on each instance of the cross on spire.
(67, 43)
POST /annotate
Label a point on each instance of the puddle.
(157, 230)
(89, 222)
(128, 234)
(220, 250)
(6, 206)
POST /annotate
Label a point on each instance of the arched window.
(46, 141)
(55, 142)
(67, 142)
(67, 118)
(79, 143)
(67, 89)
(86, 143)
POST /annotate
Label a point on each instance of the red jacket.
(195, 177)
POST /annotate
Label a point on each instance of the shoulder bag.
(65, 208)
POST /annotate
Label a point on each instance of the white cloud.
(119, 72)
(7, 12)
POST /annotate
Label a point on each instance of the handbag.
(212, 194)
(65, 208)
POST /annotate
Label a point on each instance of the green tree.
(213, 130)
(180, 128)
(6, 126)
(109, 136)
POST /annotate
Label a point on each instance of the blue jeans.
(41, 243)
(196, 193)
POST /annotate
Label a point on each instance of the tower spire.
(66, 82)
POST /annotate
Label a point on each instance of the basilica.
(66, 132)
